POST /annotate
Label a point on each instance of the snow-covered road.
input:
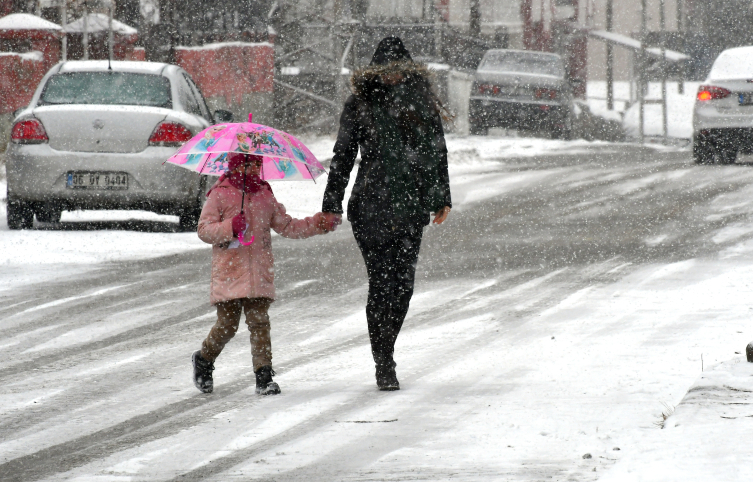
(571, 295)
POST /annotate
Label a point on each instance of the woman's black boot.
(202, 373)
(264, 383)
(387, 378)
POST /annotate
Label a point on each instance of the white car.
(96, 136)
(723, 111)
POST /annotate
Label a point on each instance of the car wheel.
(562, 133)
(47, 213)
(20, 214)
(702, 154)
(727, 156)
(189, 219)
(478, 129)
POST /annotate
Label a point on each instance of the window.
(522, 63)
(199, 98)
(108, 88)
(187, 98)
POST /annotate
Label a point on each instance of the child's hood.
(224, 183)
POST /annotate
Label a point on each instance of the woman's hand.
(441, 215)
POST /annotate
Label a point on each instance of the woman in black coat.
(395, 119)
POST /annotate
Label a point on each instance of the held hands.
(239, 224)
(441, 215)
(328, 222)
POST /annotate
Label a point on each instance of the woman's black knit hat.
(390, 49)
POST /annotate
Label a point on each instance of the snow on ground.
(48, 253)
(679, 107)
(74, 249)
(705, 436)
(645, 315)
(532, 396)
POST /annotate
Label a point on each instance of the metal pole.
(438, 35)
(86, 31)
(109, 33)
(642, 73)
(663, 28)
(610, 61)
(337, 28)
(64, 21)
(681, 82)
(474, 23)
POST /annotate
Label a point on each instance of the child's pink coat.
(246, 271)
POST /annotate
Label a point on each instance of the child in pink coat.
(243, 271)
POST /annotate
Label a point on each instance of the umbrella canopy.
(284, 156)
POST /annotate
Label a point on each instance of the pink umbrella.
(284, 156)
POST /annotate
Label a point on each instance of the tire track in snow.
(514, 211)
(10, 371)
(323, 469)
(174, 417)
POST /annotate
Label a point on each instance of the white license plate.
(97, 180)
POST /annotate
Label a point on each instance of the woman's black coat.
(370, 207)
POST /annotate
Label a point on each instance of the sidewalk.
(706, 438)
(679, 108)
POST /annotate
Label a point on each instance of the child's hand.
(334, 219)
(239, 224)
(328, 222)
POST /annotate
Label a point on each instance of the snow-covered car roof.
(118, 66)
(736, 63)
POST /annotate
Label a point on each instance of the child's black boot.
(202, 373)
(264, 383)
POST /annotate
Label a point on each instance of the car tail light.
(488, 89)
(546, 94)
(709, 92)
(170, 134)
(29, 131)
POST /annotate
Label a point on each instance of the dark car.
(520, 89)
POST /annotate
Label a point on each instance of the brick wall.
(19, 76)
(235, 76)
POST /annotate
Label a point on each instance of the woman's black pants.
(391, 267)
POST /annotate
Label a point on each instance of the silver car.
(723, 111)
(521, 89)
(96, 136)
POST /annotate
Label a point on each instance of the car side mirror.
(223, 116)
(17, 111)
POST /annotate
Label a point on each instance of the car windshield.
(522, 62)
(108, 88)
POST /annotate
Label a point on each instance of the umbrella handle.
(240, 240)
(243, 196)
(250, 116)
